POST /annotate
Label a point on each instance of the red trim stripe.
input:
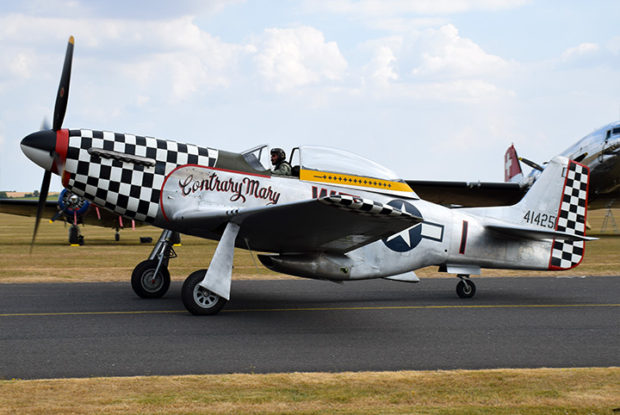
(62, 146)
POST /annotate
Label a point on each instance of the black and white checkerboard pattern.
(129, 189)
(571, 218)
(363, 206)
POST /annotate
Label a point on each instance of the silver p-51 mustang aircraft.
(339, 217)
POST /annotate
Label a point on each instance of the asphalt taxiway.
(103, 329)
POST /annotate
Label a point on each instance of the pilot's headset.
(279, 152)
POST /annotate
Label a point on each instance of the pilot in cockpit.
(278, 159)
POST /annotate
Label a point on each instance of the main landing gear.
(197, 299)
(206, 291)
(465, 287)
(151, 278)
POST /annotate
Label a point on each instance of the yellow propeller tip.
(71, 40)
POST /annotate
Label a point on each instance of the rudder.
(571, 218)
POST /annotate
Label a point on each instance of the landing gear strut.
(465, 287)
(151, 278)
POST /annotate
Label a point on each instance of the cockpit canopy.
(335, 167)
(324, 159)
(332, 160)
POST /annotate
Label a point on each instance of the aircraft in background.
(72, 209)
(338, 217)
(598, 150)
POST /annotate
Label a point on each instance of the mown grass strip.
(505, 391)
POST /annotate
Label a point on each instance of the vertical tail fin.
(558, 200)
(512, 166)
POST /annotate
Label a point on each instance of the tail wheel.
(148, 285)
(465, 288)
(198, 300)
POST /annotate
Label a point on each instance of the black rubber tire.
(466, 289)
(117, 236)
(74, 235)
(200, 301)
(143, 283)
(175, 239)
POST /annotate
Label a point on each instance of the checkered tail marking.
(571, 218)
(129, 189)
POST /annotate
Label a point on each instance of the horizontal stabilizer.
(537, 233)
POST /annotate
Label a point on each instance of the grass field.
(103, 259)
(509, 391)
(527, 391)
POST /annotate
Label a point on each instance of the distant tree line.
(4, 194)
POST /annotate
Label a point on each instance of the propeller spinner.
(41, 147)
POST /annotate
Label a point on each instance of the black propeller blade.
(63, 88)
(45, 185)
(59, 115)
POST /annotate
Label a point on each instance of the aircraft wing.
(330, 224)
(468, 194)
(25, 207)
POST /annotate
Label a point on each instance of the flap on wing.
(537, 233)
(330, 224)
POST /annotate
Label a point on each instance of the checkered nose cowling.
(571, 218)
(101, 168)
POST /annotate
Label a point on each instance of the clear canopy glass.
(339, 161)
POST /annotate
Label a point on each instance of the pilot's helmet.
(279, 152)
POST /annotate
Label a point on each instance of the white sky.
(434, 89)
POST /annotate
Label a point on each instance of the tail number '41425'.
(540, 219)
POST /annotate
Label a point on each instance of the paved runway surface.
(83, 330)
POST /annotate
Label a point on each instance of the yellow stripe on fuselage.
(351, 180)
